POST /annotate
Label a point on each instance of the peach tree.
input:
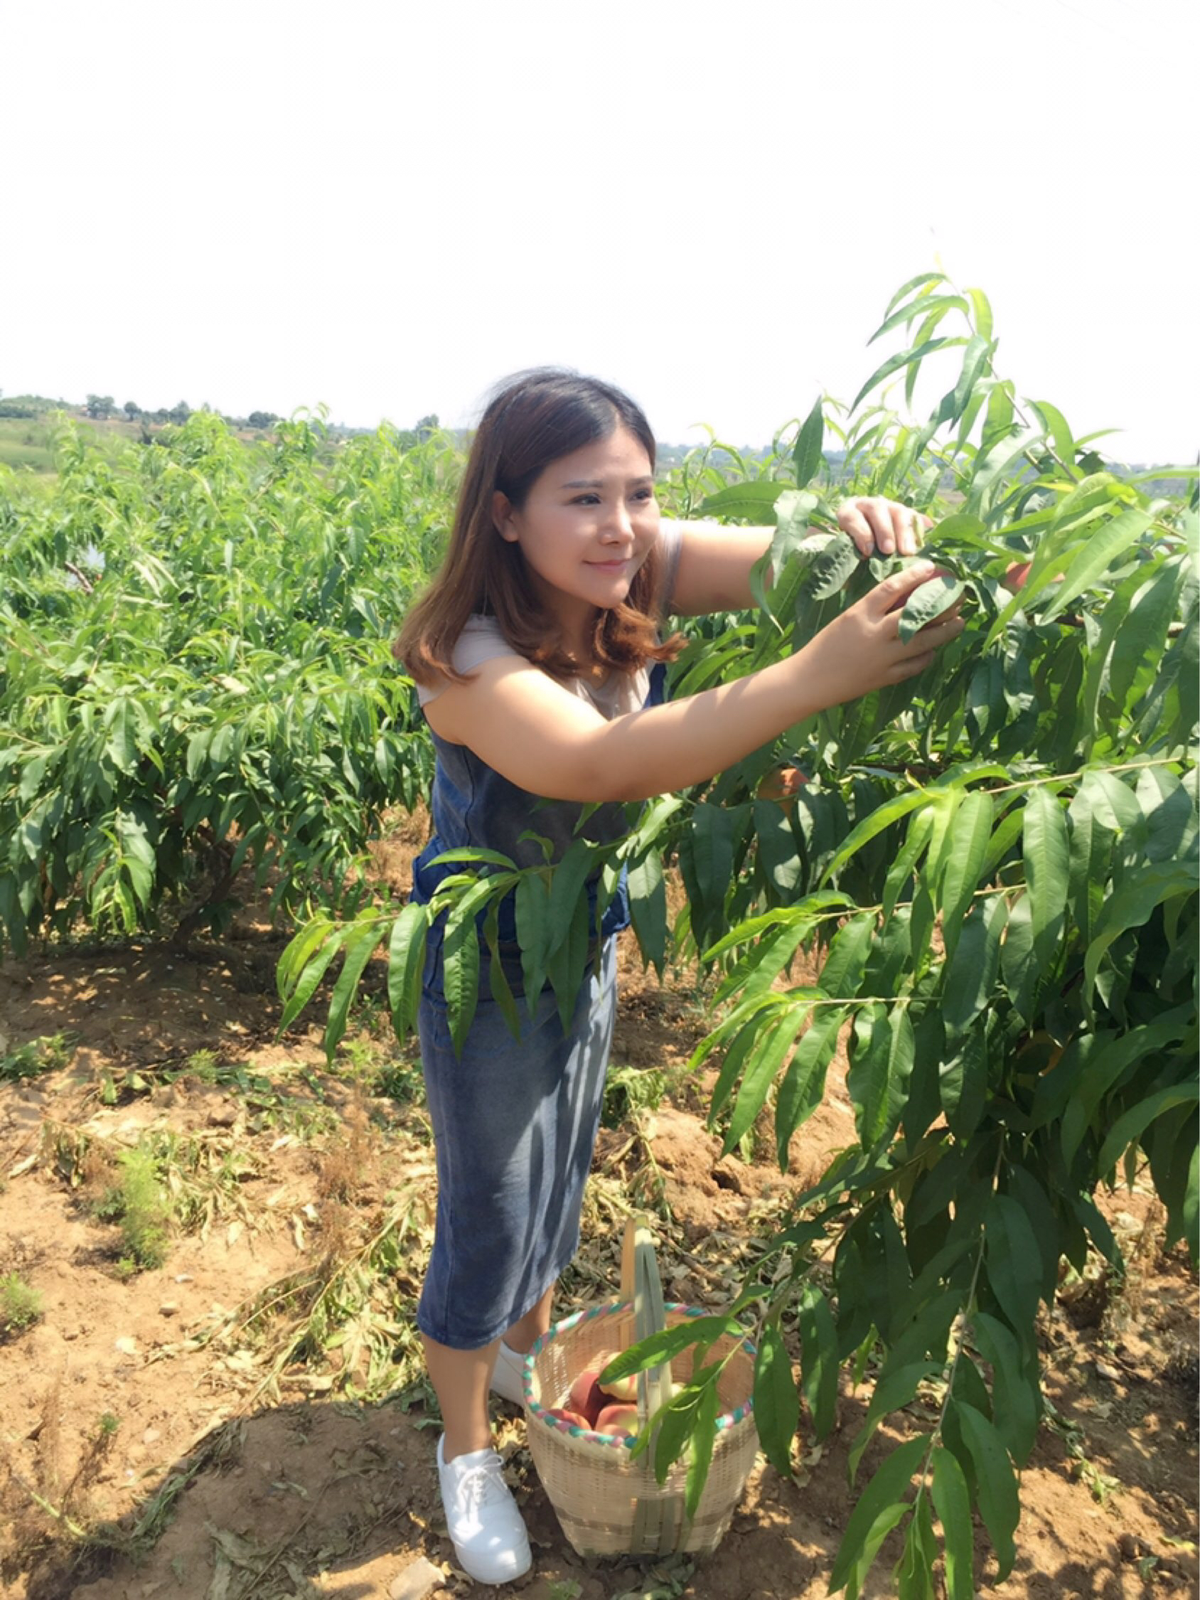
(997, 865)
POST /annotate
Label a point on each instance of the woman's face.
(587, 524)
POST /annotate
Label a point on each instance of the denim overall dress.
(514, 1120)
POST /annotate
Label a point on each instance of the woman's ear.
(503, 517)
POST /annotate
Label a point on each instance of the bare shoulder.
(519, 720)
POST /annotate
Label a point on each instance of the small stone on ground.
(417, 1580)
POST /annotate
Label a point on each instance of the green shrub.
(20, 1304)
(140, 1204)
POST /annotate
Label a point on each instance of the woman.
(533, 653)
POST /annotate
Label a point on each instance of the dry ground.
(227, 1454)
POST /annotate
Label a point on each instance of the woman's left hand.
(882, 527)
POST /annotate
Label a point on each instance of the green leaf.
(567, 886)
(969, 977)
(996, 1485)
(704, 1437)
(874, 824)
(807, 458)
(1094, 556)
(963, 1083)
(921, 279)
(764, 1062)
(671, 1342)
(1055, 425)
(976, 357)
(897, 363)
(360, 947)
(916, 842)
(883, 1494)
(920, 307)
(818, 1359)
(914, 1573)
(1015, 1385)
(531, 907)
(1047, 873)
(836, 564)
(313, 971)
(776, 1402)
(1111, 1062)
(880, 1065)
(802, 1086)
(981, 306)
(953, 1505)
(927, 602)
(648, 908)
(967, 849)
(1130, 905)
(1139, 1117)
(406, 965)
(752, 502)
(1010, 1247)
(894, 1389)
(843, 969)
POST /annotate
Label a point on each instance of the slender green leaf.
(1047, 873)
(776, 1402)
(952, 1503)
(885, 1491)
(996, 1485)
(807, 459)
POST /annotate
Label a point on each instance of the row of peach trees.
(999, 865)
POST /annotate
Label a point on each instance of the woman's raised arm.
(545, 739)
(715, 561)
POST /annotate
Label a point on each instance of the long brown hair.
(532, 419)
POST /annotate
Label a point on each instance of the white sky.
(385, 207)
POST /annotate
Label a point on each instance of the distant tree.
(131, 409)
(180, 413)
(262, 419)
(100, 405)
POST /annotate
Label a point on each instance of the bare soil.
(138, 1390)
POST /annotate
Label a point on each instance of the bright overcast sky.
(385, 207)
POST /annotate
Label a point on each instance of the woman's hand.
(882, 527)
(861, 649)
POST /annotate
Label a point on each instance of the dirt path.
(200, 1407)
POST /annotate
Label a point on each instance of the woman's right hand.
(861, 649)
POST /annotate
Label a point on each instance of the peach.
(618, 1420)
(587, 1397)
(1016, 574)
(565, 1415)
(623, 1389)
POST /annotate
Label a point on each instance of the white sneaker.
(508, 1377)
(490, 1542)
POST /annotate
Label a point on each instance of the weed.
(30, 1060)
(350, 1312)
(20, 1303)
(565, 1589)
(140, 1203)
(349, 1161)
(665, 1580)
(628, 1090)
(205, 1065)
(1081, 1466)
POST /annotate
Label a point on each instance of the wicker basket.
(607, 1502)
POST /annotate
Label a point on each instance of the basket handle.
(662, 1517)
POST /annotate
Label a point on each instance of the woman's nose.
(618, 527)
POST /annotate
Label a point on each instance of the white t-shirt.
(616, 693)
